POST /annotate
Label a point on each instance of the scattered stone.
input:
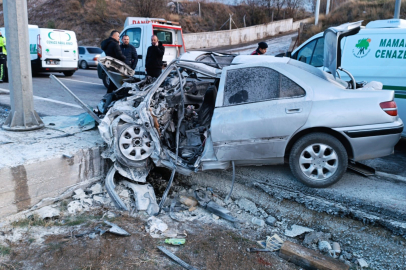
(116, 229)
(74, 206)
(124, 193)
(335, 252)
(110, 214)
(191, 202)
(315, 237)
(324, 246)
(270, 221)
(156, 227)
(215, 216)
(96, 189)
(48, 212)
(258, 221)
(87, 201)
(92, 235)
(297, 230)
(247, 205)
(362, 263)
(99, 199)
(79, 194)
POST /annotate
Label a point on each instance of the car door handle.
(66, 51)
(296, 110)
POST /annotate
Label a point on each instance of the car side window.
(253, 84)
(81, 50)
(318, 54)
(257, 84)
(135, 36)
(289, 89)
(305, 53)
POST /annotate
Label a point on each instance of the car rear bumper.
(36, 66)
(373, 141)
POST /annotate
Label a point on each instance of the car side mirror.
(288, 54)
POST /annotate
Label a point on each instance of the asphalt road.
(50, 99)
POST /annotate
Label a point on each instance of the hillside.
(352, 11)
(92, 20)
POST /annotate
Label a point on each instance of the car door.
(135, 35)
(258, 108)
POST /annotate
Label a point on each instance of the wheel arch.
(326, 130)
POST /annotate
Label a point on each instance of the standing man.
(155, 53)
(111, 46)
(262, 48)
(3, 59)
(129, 51)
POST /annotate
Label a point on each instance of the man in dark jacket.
(155, 53)
(111, 46)
(129, 51)
(262, 48)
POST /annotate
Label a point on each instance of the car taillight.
(389, 107)
(39, 48)
(95, 59)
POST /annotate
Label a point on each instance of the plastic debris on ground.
(297, 230)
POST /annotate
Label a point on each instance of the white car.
(219, 110)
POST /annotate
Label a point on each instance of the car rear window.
(94, 50)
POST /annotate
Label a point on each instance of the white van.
(376, 53)
(140, 31)
(52, 50)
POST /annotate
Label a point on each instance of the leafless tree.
(292, 6)
(148, 8)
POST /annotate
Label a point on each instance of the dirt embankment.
(352, 11)
(93, 20)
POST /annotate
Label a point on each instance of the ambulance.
(52, 50)
(140, 31)
(376, 53)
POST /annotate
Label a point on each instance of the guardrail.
(238, 36)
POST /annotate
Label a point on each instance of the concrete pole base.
(32, 122)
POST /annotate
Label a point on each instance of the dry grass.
(352, 11)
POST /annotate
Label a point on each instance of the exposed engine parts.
(162, 126)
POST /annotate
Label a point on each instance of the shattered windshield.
(217, 60)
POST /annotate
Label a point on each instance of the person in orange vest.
(262, 47)
(3, 59)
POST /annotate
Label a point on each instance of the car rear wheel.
(83, 65)
(68, 73)
(318, 160)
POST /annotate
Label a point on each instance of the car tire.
(68, 73)
(84, 65)
(318, 160)
(108, 84)
(128, 159)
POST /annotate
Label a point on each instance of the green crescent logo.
(49, 35)
(68, 36)
(47, 50)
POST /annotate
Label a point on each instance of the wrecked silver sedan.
(210, 111)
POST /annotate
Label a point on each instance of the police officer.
(3, 59)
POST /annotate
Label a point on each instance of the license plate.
(52, 62)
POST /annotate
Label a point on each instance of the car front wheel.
(318, 160)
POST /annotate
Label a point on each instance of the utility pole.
(200, 14)
(316, 14)
(244, 20)
(328, 7)
(397, 9)
(230, 20)
(177, 5)
(22, 115)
